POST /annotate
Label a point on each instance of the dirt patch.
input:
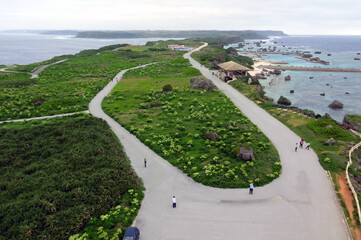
(347, 196)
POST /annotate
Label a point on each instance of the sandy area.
(349, 201)
(258, 62)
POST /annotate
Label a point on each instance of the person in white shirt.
(174, 202)
(251, 188)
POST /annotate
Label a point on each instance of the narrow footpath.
(300, 204)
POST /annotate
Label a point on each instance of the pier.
(311, 69)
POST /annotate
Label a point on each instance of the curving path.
(300, 204)
(35, 73)
(42, 117)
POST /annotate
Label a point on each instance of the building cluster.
(177, 47)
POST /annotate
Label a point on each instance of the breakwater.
(311, 69)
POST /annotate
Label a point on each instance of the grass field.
(174, 125)
(69, 86)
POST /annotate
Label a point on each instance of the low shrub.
(328, 128)
(167, 88)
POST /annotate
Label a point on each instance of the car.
(132, 233)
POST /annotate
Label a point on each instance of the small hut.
(231, 70)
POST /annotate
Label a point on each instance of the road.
(35, 73)
(300, 204)
(42, 117)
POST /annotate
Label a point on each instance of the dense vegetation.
(113, 224)
(69, 86)
(215, 52)
(174, 124)
(57, 175)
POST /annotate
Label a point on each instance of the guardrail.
(348, 177)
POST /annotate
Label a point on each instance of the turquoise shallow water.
(343, 50)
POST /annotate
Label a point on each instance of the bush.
(55, 176)
(167, 88)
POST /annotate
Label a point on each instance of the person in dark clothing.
(251, 189)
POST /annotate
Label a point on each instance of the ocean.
(29, 48)
(339, 51)
(16, 48)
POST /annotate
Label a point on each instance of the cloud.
(303, 17)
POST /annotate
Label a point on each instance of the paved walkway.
(42, 117)
(300, 204)
(35, 73)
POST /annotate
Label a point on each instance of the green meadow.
(174, 124)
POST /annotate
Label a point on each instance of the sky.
(325, 17)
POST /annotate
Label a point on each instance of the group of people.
(251, 187)
(301, 145)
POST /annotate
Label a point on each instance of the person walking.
(301, 143)
(308, 147)
(296, 147)
(251, 188)
(145, 162)
(174, 201)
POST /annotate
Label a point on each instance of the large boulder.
(211, 136)
(284, 101)
(336, 104)
(277, 72)
(246, 154)
(199, 83)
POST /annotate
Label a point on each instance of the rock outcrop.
(330, 141)
(246, 154)
(284, 101)
(288, 78)
(199, 83)
(211, 136)
(277, 72)
(336, 104)
(353, 125)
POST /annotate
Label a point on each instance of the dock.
(311, 69)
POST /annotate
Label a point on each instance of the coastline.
(309, 84)
(259, 63)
